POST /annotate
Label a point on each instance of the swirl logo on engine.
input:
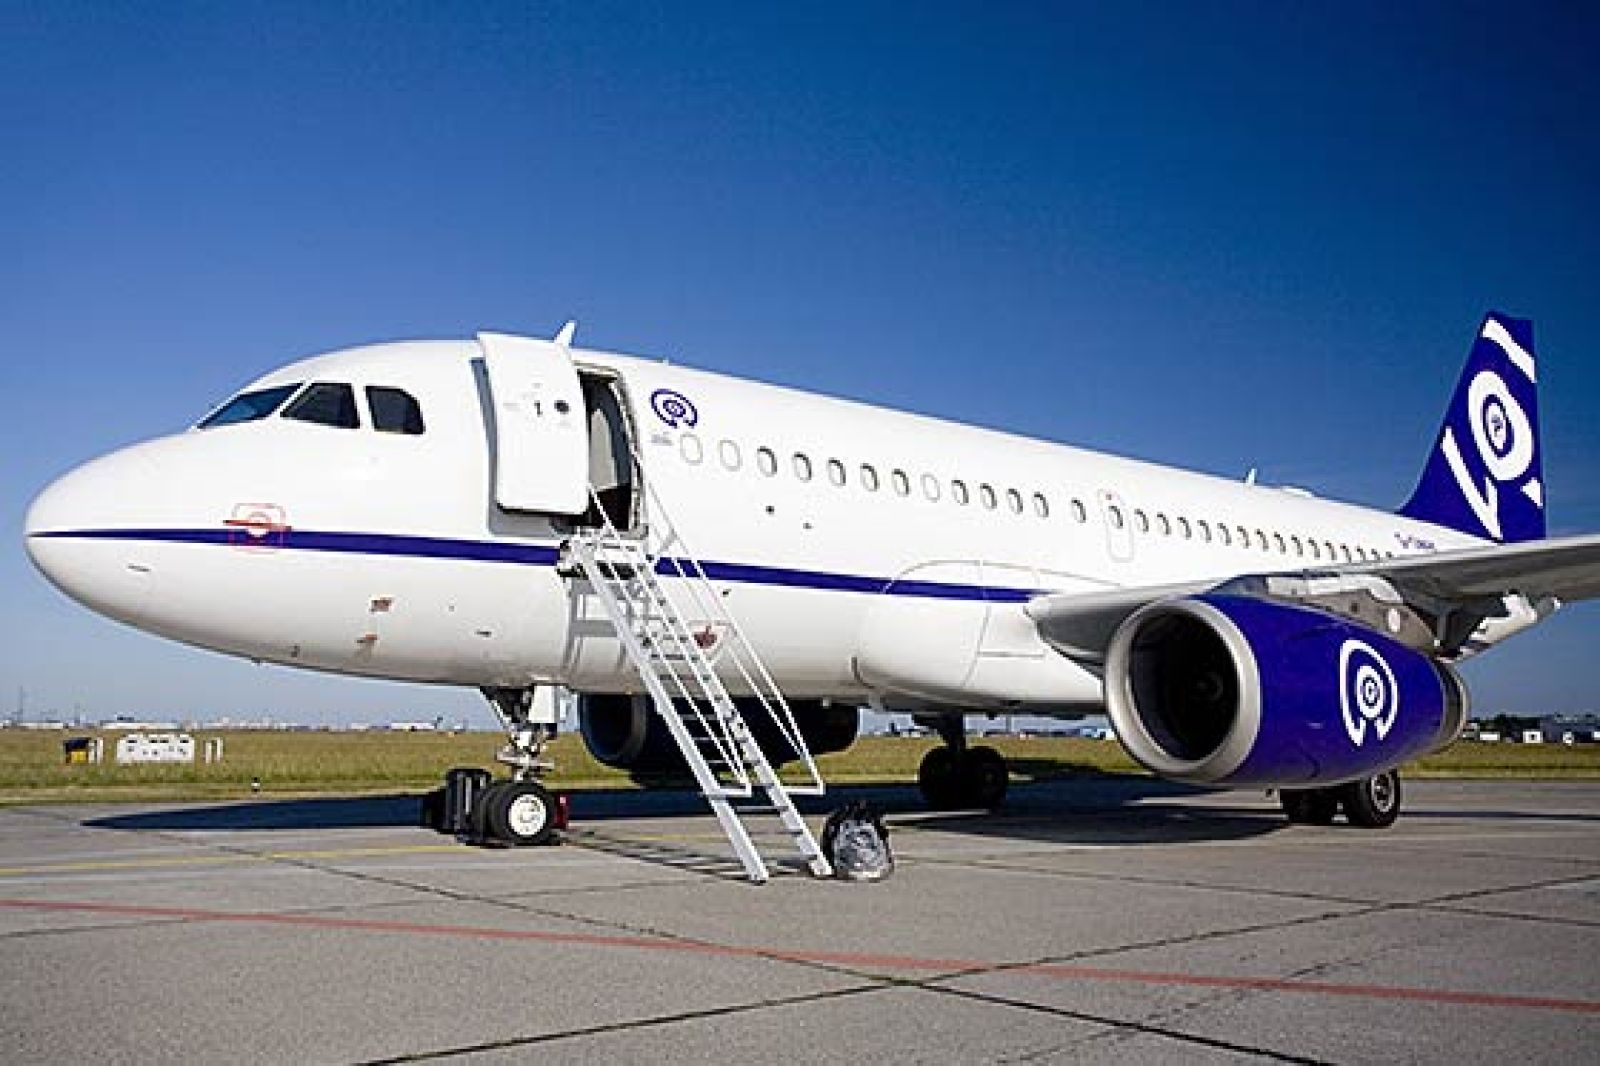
(1368, 692)
(673, 408)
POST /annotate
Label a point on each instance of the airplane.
(506, 512)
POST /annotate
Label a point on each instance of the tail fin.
(1485, 476)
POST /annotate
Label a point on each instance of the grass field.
(32, 770)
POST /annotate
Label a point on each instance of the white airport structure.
(133, 748)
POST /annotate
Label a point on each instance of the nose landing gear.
(516, 812)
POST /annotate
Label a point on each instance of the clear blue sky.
(1218, 235)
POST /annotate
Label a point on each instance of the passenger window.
(902, 484)
(394, 410)
(869, 478)
(1041, 506)
(1316, 549)
(836, 471)
(1114, 516)
(1163, 524)
(1294, 544)
(986, 494)
(766, 462)
(1141, 522)
(1224, 536)
(326, 404)
(1244, 536)
(1079, 513)
(930, 487)
(1205, 530)
(690, 447)
(1183, 528)
(249, 406)
(1261, 540)
(729, 451)
(1014, 501)
(1277, 540)
(958, 490)
(802, 466)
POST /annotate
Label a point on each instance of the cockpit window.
(327, 404)
(249, 406)
(394, 410)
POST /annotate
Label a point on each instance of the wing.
(1452, 593)
(1567, 569)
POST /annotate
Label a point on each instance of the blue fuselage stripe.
(545, 555)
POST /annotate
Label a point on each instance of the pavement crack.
(620, 1027)
(1124, 1026)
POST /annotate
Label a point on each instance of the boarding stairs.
(683, 645)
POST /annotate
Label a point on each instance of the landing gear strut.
(525, 740)
(955, 776)
(1371, 803)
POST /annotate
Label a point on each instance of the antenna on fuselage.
(568, 331)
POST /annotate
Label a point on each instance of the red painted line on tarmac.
(1058, 971)
(1319, 988)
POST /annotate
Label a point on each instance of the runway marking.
(953, 967)
(216, 860)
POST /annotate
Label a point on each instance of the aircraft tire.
(940, 780)
(519, 813)
(1309, 806)
(1373, 802)
(984, 777)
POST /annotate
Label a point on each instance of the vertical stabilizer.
(1485, 476)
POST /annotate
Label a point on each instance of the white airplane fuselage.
(897, 570)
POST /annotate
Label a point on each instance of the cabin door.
(541, 434)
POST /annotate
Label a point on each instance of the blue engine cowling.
(1232, 690)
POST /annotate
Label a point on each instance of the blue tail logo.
(1485, 476)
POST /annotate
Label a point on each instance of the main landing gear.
(1371, 803)
(512, 813)
(956, 777)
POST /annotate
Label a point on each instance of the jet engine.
(1235, 690)
(625, 731)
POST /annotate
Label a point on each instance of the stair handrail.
(745, 659)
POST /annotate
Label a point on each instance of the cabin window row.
(896, 481)
(1206, 532)
(837, 473)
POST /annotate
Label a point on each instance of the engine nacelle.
(1234, 690)
(625, 732)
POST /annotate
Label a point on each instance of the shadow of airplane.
(1132, 809)
(1044, 803)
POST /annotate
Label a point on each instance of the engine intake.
(1225, 689)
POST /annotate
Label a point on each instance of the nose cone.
(75, 538)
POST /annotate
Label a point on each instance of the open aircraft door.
(541, 436)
